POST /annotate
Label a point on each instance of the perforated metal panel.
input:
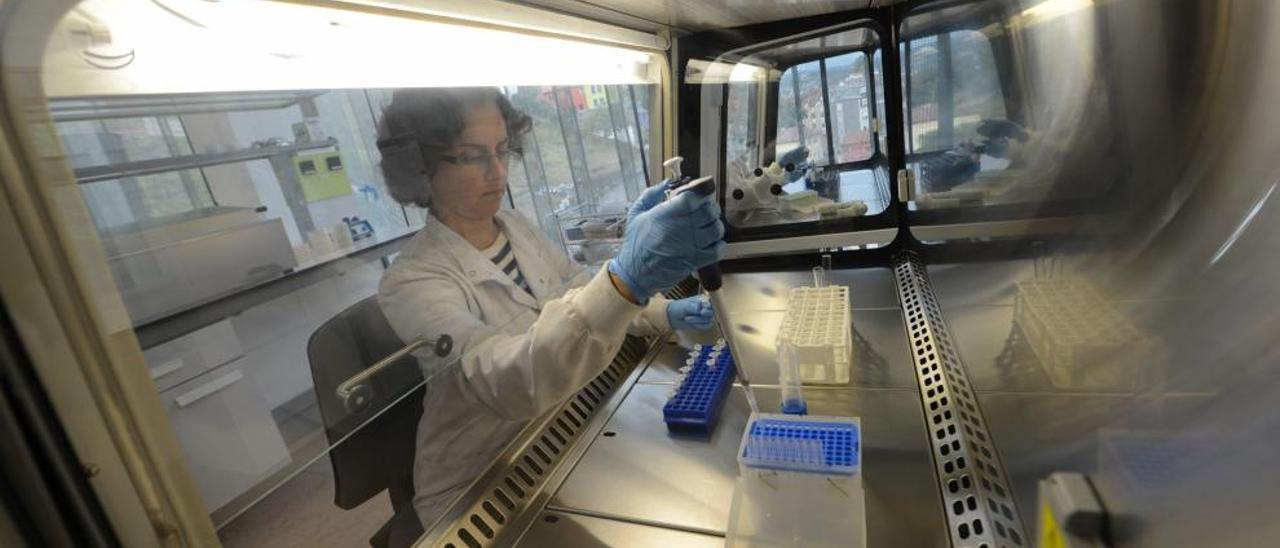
(976, 497)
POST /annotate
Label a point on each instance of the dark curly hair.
(421, 123)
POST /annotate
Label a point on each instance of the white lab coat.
(515, 355)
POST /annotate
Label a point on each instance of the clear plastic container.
(592, 232)
(816, 335)
(789, 383)
(799, 484)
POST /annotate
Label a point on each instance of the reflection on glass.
(954, 104)
(213, 204)
(245, 223)
(820, 161)
(1082, 340)
(588, 145)
(986, 123)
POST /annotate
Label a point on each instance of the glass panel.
(877, 84)
(605, 179)
(818, 187)
(848, 93)
(540, 104)
(954, 86)
(788, 136)
(741, 147)
(637, 101)
(292, 188)
(811, 109)
(586, 153)
(966, 144)
(248, 234)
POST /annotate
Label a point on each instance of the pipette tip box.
(694, 407)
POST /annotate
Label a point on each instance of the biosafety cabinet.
(1046, 229)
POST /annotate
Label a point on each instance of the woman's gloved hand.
(796, 157)
(690, 313)
(651, 196)
(666, 242)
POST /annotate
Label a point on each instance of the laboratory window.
(740, 127)
(952, 86)
(961, 142)
(825, 105)
(586, 158)
(823, 115)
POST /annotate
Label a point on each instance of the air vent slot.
(515, 491)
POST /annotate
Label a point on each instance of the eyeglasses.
(479, 160)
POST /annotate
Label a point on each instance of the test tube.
(819, 277)
(789, 383)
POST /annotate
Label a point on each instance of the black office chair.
(379, 455)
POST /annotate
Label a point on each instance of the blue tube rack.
(695, 406)
(826, 445)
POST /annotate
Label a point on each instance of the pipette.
(718, 307)
(711, 278)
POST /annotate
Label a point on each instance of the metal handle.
(167, 368)
(906, 185)
(354, 399)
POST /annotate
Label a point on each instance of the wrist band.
(622, 288)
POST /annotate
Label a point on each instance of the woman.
(523, 343)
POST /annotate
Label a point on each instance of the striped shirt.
(500, 253)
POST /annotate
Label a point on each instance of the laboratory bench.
(629, 482)
(637, 483)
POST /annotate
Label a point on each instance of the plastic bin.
(592, 232)
(816, 334)
(800, 483)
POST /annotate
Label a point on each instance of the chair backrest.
(379, 452)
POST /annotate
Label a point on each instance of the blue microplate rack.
(695, 406)
(828, 445)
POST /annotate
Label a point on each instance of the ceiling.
(698, 15)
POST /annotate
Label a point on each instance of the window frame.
(1013, 88)
(872, 89)
(884, 219)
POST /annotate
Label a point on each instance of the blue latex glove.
(666, 243)
(690, 313)
(796, 157)
(651, 196)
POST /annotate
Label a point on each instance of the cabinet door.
(227, 432)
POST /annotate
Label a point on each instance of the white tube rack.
(816, 334)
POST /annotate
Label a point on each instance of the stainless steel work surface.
(880, 356)
(994, 350)
(578, 531)
(636, 471)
